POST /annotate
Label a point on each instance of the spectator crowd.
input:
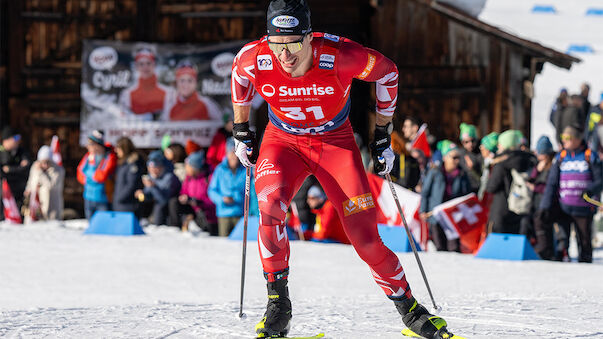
(540, 193)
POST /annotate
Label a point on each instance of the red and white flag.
(463, 218)
(420, 141)
(387, 211)
(56, 151)
(34, 207)
(11, 211)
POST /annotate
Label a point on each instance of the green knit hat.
(510, 139)
(166, 141)
(445, 146)
(468, 131)
(490, 142)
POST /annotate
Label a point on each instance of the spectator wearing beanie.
(95, 172)
(193, 203)
(130, 167)
(501, 220)
(328, 227)
(444, 182)
(471, 159)
(160, 185)
(14, 164)
(227, 191)
(46, 182)
(488, 148)
(575, 172)
(543, 229)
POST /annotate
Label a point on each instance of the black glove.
(241, 132)
(382, 141)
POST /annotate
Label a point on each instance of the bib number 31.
(296, 113)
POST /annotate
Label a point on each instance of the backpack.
(520, 196)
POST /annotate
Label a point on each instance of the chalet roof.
(548, 54)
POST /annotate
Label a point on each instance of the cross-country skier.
(305, 77)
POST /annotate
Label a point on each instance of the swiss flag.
(56, 151)
(463, 218)
(11, 211)
(420, 141)
(387, 211)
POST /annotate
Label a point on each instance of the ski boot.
(416, 317)
(275, 323)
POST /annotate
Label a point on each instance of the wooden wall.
(450, 73)
(42, 66)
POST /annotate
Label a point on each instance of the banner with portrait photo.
(144, 91)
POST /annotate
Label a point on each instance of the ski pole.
(591, 200)
(412, 243)
(245, 218)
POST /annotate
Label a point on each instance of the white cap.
(316, 192)
(44, 153)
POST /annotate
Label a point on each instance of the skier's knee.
(272, 212)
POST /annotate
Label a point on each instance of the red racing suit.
(310, 133)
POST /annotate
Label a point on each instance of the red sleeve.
(357, 61)
(243, 75)
(106, 168)
(81, 177)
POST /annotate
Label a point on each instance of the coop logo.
(265, 62)
(285, 21)
(327, 61)
(574, 166)
(268, 90)
(221, 64)
(284, 91)
(103, 58)
(358, 204)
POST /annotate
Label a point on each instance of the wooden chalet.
(453, 67)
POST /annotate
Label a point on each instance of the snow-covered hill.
(57, 282)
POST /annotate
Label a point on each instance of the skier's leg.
(345, 182)
(280, 171)
(341, 174)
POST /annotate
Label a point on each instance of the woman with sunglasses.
(306, 77)
(576, 172)
(444, 182)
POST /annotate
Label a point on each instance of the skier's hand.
(382, 153)
(246, 147)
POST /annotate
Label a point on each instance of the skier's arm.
(241, 113)
(370, 65)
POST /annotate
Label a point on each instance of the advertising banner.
(145, 91)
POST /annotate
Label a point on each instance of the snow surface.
(568, 26)
(57, 282)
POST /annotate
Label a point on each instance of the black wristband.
(240, 131)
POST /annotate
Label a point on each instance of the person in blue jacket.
(128, 175)
(576, 172)
(159, 187)
(227, 191)
(442, 183)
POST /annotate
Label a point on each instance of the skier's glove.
(383, 155)
(246, 147)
